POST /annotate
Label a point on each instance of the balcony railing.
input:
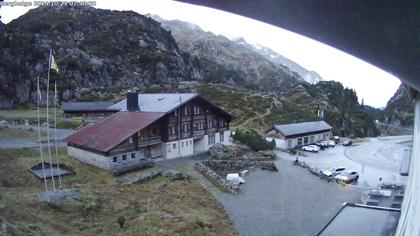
(149, 141)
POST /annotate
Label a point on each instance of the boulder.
(268, 153)
(175, 175)
(139, 177)
(270, 167)
(221, 152)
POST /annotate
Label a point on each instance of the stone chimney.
(132, 101)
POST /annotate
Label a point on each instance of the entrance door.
(148, 152)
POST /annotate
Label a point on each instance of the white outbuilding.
(298, 134)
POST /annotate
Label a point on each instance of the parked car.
(330, 143)
(332, 171)
(321, 144)
(336, 139)
(347, 143)
(310, 148)
(235, 178)
(347, 176)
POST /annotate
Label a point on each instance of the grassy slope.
(144, 206)
(258, 110)
(7, 133)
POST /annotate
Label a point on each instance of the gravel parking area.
(289, 202)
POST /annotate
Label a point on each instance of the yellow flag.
(53, 64)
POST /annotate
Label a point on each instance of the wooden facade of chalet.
(194, 119)
(149, 126)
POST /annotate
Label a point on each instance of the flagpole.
(55, 133)
(38, 99)
(48, 125)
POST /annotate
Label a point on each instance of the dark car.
(322, 144)
(347, 143)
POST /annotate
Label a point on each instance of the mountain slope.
(226, 61)
(399, 110)
(309, 76)
(94, 48)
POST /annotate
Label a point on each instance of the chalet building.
(91, 110)
(299, 134)
(150, 126)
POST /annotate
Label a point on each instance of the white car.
(235, 178)
(330, 143)
(347, 176)
(331, 172)
(310, 148)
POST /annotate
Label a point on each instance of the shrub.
(254, 140)
(294, 151)
(121, 221)
(68, 124)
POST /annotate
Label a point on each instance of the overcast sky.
(330, 63)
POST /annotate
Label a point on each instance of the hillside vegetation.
(156, 207)
(262, 110)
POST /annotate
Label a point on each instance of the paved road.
(26, 143)
(378, 157)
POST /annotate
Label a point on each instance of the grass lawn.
(27, 113)
(9, 133)
(148, 208)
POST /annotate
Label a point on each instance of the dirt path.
(267, 112)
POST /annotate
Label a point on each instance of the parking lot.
(293, 201)
(373, 159)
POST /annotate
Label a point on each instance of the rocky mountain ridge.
(227, 61)
(399, 110)
(94, 48)
(311, 77)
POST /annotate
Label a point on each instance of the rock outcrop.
(95, 49)
(221, 152)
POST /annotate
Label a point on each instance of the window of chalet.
(174, 113)
(209, 124)
(187, 128)
(155, 130)
(124, 157)
(187, 110)
(133, 155)
(222, 123)
(306, 140)
(115, 159)
(172, 130)
(190, 142)
(201, 125)
(168, 148)
(222, 138)
(144, 134)
(182, 144)
(174, 146)
(130, 140)
(197, 110)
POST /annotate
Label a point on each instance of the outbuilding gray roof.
(302, 128)
(156, 102)
(85, 106)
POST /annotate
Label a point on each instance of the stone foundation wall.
(89, 157)
(222, 182)
(240, 164)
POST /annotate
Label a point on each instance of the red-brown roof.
(113, 130)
